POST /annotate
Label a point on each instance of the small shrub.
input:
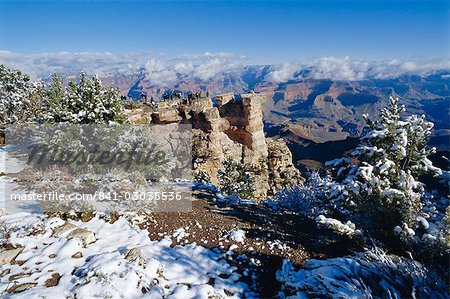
(305, 199)
(202, 177)
(5, 234)
(236, 180)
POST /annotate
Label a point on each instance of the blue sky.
(264, 31)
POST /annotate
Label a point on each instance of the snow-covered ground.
(11, 165)
(74, 259)
(121, 262)
(47, 257)
(371, 274)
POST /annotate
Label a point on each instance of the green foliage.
(202, 177)
(81, 103)
(84, 102)
(383, 187)
(236, 180)
(19, 97)
(447, 226)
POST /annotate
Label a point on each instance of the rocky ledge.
(229, 127)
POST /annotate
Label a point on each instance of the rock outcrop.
(87, 237)
(8, 255)
(232, 128)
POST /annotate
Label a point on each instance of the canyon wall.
(229, 128)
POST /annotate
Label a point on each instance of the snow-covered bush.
(431, 234)
(19, 97)
(307, 199)
(345, 229)
(202, 177)
(91, 193)
(371, 274)
(82, 103)
(236, 180)
(445, 178)
(96, 148)
(5, 234)
(380, 182)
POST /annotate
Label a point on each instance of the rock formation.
(231, 128)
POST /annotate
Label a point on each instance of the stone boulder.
(166, 116)
(61, 230)
(135, 254)
(86, 236)
(9, 255)
(138, 116)
(222, 99)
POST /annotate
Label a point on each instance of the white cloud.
(353, 69)
(395, 67)
(160, 69)
(283, 72)
(202, 66)
(338, 69)
(158, 72)
(43, 65)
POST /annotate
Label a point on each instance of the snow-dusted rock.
(77, 255)
(61, 230)
(85, 235)
(18, 276)
(134, 254)
(17, 288)
(105, 273)
(8, 255)
(346, 229)
(52, 281)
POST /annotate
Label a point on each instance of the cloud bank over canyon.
(160, 69)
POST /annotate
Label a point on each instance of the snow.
(336, 225)
(11, 165)
(180, 234)
(371, 274)
(423, 222)
(103, 271)
(237, 235)
(404, 231)
(278, 244)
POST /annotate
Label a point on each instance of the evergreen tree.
(83, 103)
(236, 180)
(380, 184)
(19, 97)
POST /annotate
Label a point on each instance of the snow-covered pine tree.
(83, 103)
(54, 99)
(236, 180)
(380, 184)
(202, 177)
(19, 97)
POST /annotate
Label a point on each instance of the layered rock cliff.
(230, 128)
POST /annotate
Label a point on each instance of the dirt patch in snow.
(270, 236)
